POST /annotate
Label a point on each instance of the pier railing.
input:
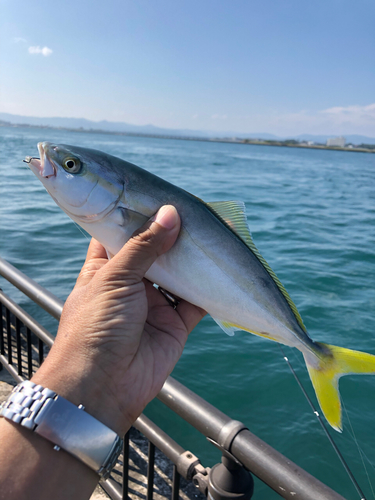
(23, 345)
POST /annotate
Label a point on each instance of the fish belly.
(187, 272)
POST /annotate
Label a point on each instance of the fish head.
(79, 180)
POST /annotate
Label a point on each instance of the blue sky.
(283, 67)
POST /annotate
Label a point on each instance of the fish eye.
(72, 165)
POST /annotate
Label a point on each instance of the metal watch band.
(67, 426)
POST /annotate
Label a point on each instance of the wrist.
(65, 425)
(81, 385)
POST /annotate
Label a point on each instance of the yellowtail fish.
(214, 263)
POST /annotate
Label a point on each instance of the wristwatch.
(67, 426)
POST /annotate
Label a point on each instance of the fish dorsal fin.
(232, 213)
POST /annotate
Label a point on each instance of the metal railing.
(23, 346)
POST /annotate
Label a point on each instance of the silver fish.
(214, 263)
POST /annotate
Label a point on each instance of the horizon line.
(209, 133)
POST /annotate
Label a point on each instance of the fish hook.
(29, 158)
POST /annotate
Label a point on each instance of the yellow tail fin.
(326, 373)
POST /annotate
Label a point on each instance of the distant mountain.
(78, 123)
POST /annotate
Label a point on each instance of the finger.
(190, 314)
(95, 251)
(152, 240)
(95, 259)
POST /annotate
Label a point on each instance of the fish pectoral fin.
(228, 328)
(109, 254)
(337, 362)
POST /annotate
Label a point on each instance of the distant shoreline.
(251, 142)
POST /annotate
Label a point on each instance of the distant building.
(336, 141)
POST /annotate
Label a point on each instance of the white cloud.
(355, 115)
(338, 120)
(352, 110)
(45, 51)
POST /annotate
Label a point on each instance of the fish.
(213, 264)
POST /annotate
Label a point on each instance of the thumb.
(153, 239)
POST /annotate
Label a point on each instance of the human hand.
(118, 338)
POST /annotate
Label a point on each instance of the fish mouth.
(43, 166)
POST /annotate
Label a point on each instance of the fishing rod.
(330, 439)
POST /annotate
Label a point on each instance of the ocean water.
(312, 216)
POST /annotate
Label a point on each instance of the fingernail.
(167, 217)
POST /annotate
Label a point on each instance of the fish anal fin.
(231, 328)
(325, 376)
(228, 328)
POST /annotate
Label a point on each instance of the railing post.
(1, 333)
(125, 467)
(229, 480)
(9, 336)
(19, 346)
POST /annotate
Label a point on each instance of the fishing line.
(81, 230)
(329, 437)
(360, 451)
